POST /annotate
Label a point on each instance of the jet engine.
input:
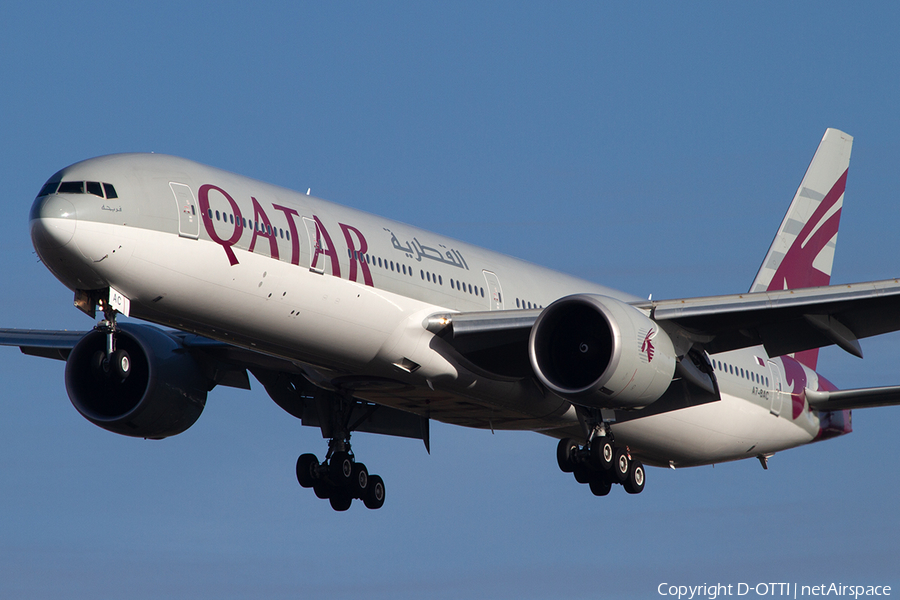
(599, 352)
(161, 390)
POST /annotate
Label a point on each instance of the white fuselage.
(345, 295)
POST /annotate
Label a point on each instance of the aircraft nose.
(52, 222)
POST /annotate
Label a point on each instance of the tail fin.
(802, 253)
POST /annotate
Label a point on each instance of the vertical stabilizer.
(802, 253)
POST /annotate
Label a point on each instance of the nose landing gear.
(113, 364)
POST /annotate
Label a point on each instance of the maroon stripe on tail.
(796, 269)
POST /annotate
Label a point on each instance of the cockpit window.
(71, 187)
(93, 187)
(49, 188)
(80, 187)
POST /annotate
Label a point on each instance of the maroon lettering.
(328, 251)
(210, 226)
(263, 228)
(356, 254)
(289, 214)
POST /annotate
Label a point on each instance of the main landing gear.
(112, 364)
(600, 464)
(339, 478)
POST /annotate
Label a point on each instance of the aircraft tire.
(323, 489)
(636, 478)
(602, 453)
(359, 480)
(621, 466)
(374, 497)
(582, 474)
(99, 367)
(121, 364)
(565, 453)
(341, 500)
(600, 484)
(341, 468)
(306, 466)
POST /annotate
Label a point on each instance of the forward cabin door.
(188, 219)
(494, 291)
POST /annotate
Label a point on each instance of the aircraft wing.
(786, 321)
(783, 321)
(227, 365)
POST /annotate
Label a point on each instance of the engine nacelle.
(163, 395)
(599, 352)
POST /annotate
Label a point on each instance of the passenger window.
(94, 187)
(71, 187)
(110, 191)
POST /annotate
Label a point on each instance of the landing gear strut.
(339, 478)
(600, 462)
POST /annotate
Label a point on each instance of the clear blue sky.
(653, 149)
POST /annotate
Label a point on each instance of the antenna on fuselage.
(308, 190)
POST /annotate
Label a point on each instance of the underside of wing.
(219, 363)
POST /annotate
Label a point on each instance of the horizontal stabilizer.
(849, 399)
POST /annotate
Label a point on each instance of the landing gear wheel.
(600, 484)
(359, 480)
(602, 453)
(620, 465)
(323, 489)
(341, 468)
(341, 500)
(635, 482)
(99, 366)
(121, 364)
(306, 467)
(582, 474)
(565, 453)
(374, 493)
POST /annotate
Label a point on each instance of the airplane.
(357, 323)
